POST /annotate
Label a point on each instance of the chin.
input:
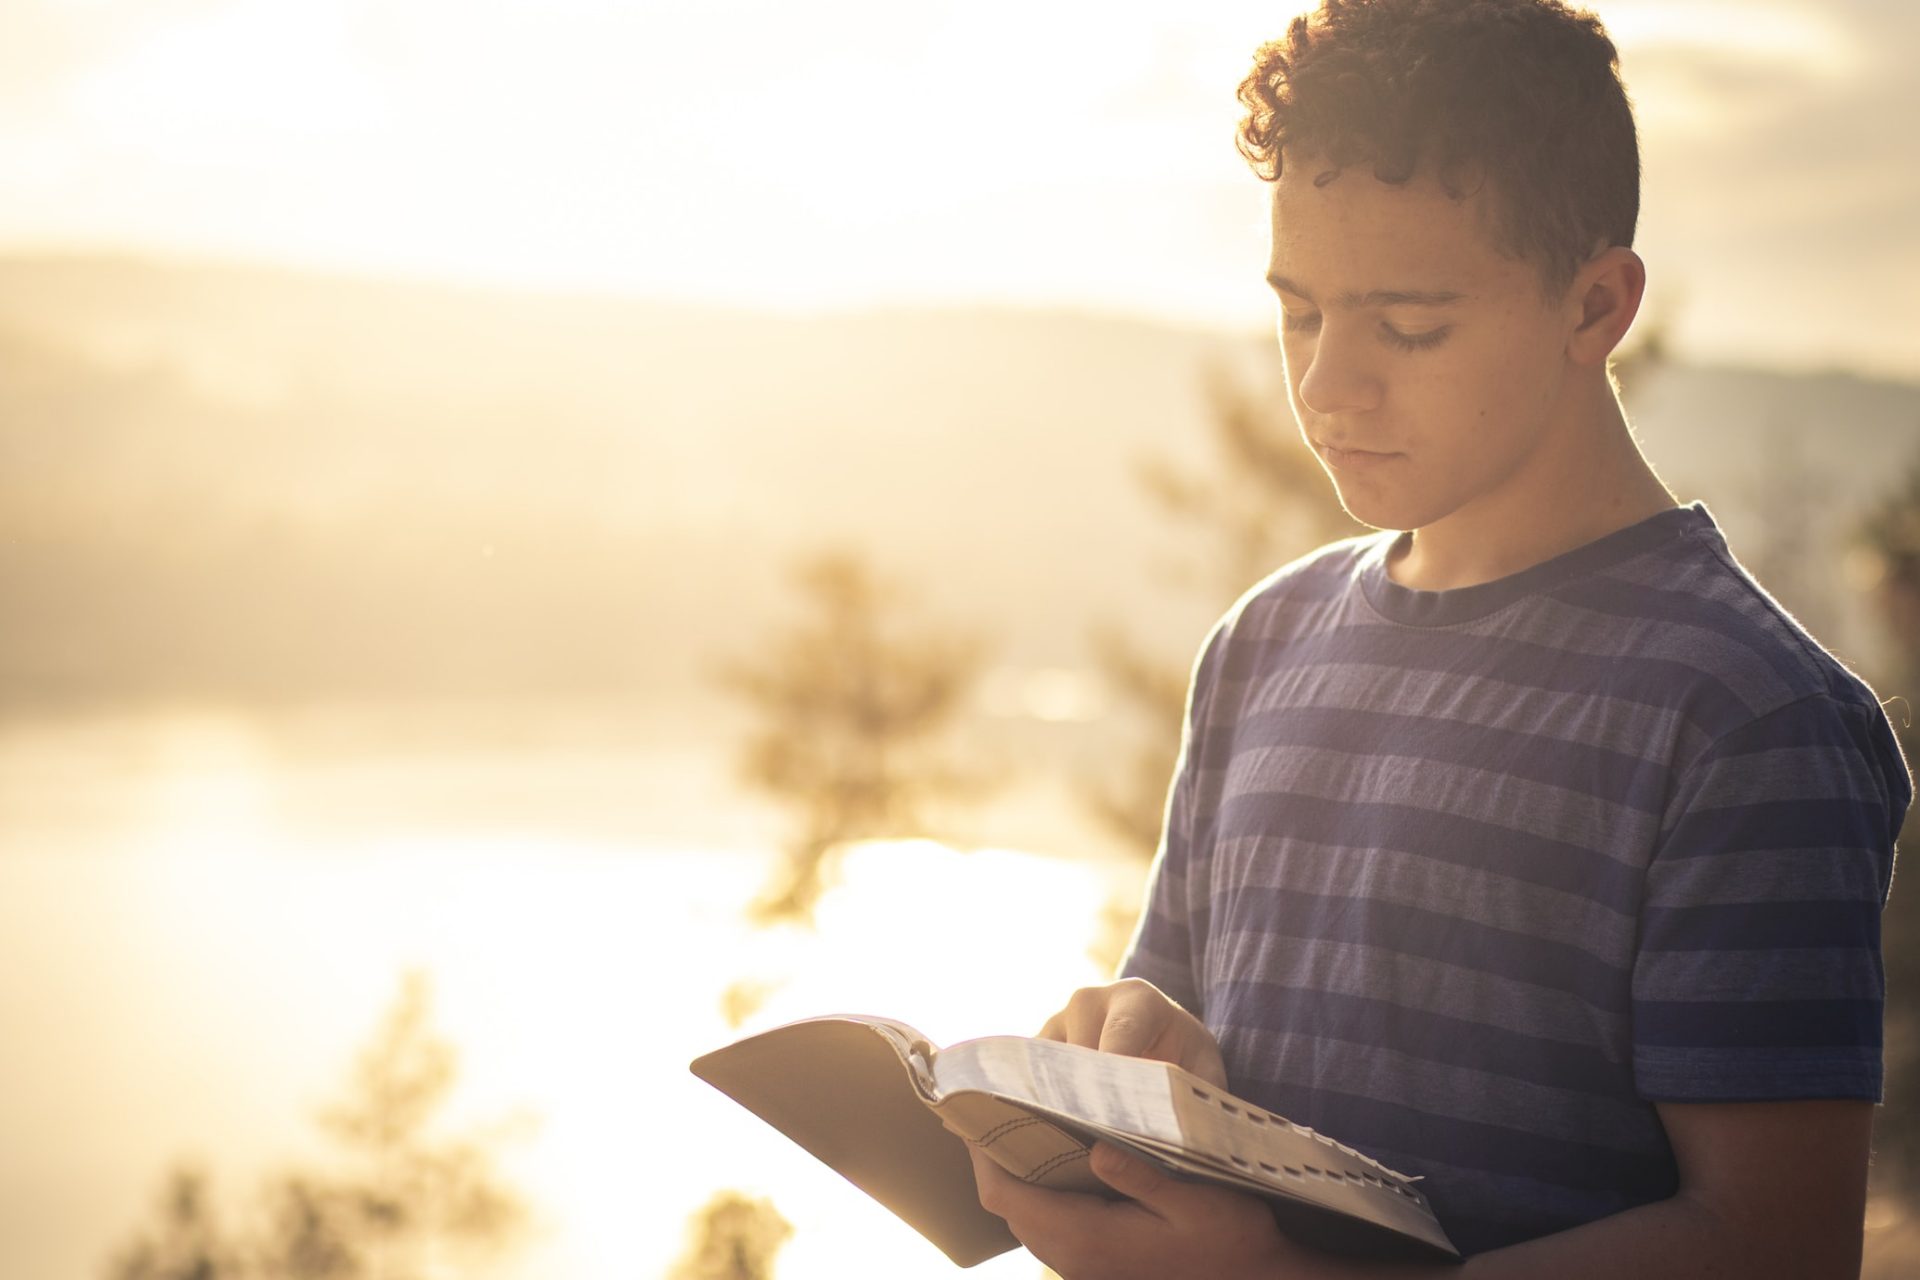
(1377, 511)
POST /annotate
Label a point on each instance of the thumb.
(1131, 1177)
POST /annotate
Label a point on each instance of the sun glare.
(208, 786)
(577, 980)
(764, 156)
(744, 154)
(958, 944)
(235, 85)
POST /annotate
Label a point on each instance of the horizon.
(1810, 365)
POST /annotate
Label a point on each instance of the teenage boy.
(1533, 850)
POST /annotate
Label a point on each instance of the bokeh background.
(537, 538)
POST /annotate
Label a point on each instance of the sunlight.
(746, 153)
(214, 85)
(367, 625)
(577, 980)
(840, 155)
(598, 1021)
(958, 944)
(207, 784)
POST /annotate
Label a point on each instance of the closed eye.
(1299, 322)
(1415, 341)
(1309, 322)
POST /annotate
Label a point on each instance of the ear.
(1606, 296)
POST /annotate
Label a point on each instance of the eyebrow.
(1374, 297)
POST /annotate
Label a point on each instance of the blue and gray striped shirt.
(1471, 879)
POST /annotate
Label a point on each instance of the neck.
(1587, 479)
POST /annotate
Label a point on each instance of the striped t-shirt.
(1471, 879)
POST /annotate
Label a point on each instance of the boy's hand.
(1136, 1018)
(1165, 1228)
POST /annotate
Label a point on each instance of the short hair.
(1522, 97)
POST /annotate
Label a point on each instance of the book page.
(1104, 1090)
(1174, 1119)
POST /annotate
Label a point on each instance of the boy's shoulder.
(1662, 603)
(1686, 603)
(1326, 573)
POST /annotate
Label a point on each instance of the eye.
(1415, 341)
(1299, 322)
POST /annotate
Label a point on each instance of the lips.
(1352, 459)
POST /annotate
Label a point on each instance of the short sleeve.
(1164, 941)
(1758, 974)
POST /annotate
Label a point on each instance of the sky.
(851, 152)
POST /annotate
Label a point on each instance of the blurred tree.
(744, 997)
(408, 1204)
(412, 1201)
(187, 1243)
(1259, 500)
(307, 1234)
(850, 701)
(1890, 543)
(1129, 800)
(733, 1238)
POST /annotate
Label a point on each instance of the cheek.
(1293, 362)
(1295, 355)
(1504, 386)
(1531, 354)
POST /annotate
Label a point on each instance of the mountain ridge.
(240, 482)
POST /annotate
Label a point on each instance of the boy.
(1534, 850)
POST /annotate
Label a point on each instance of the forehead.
(1345, 231)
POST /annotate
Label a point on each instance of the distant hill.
(245, 483)
(237, 482)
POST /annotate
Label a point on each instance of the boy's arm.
(1767, 1189)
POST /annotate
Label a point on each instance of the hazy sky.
(844, 151)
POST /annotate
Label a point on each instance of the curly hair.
(1521, 96)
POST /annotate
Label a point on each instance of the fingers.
(1133, 1178)
(1164, 1227)
(1082, 1020)
(1137, 1019)
(1025, 1207)
(996, 1186)
(1134, 1031)
(1123, 1017)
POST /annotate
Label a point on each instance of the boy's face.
(1426, 369)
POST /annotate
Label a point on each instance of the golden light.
(243, 950)
(958, 944)
(743, 153)
(295, 479)
(208, 782)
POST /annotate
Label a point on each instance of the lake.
(206, 912)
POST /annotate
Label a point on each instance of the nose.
(1338, 377)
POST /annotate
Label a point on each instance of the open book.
(868, 1095)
